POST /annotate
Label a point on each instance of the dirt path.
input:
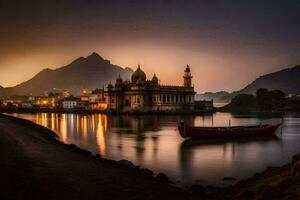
(35, 166)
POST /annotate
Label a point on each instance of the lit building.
(97, 100)
(85, 96)
(70, 103)
(45, 102)
(144, 95)
(97, 95)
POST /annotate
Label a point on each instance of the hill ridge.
(84, 72)
(287, 80)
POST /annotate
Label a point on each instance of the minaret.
(187, 77)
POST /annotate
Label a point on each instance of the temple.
(141, 94)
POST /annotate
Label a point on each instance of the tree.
(269, 100)
(53, 95)
(261, 92)
(277, 95)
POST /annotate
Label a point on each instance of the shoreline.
(245, 189)
(74, 111)
(127, 177)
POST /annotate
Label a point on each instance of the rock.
(138, 167)
(196, 188)
(126, 163)
(210, 187)
(146, 171)
(245, 195)
(296, 169)
(163, 178)
(77, 149)
(228, 178)
(98, 156)
(296, 158)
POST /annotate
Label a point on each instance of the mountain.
(286, 80)
(217, 96)
(85, 72)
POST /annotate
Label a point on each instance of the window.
(168, 98)
(160, 98)
(138, 100)
(164, 98)
(112, 101)
(176, 98)
(180, 98)
(172, 98)
(190, 99)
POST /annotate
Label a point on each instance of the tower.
(187, 77)
(85, 95)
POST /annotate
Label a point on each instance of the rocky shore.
(36, 165)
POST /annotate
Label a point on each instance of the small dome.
(138, 75)
(155, 79)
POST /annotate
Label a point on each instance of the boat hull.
(222, 132)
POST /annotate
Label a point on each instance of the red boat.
(226, 132)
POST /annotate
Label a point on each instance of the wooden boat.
(226, 132)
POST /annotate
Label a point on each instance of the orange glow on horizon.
(168, 62)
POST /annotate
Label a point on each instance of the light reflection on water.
(154, 142)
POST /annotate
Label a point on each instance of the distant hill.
(265, 101)
(217, 96)
(85, 72)
(286, 80)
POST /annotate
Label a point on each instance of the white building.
(26, 105)
(70, 103)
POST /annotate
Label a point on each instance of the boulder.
(126, 163)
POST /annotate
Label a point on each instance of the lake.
(154, 142)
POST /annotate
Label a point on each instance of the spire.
(187, 77)
(119, 79)
(187, 69)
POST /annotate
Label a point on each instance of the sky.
(227, 43)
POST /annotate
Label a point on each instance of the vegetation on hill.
(286, 80)
(263, 101)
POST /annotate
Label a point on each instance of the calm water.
(154, 142)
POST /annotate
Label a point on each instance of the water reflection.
(154, 142)
(100, 133)
(214, 153)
